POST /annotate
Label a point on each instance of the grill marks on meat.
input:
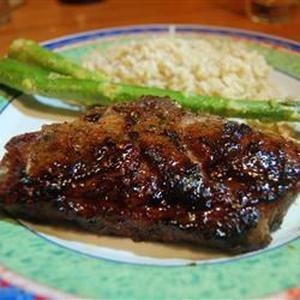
(152, 171)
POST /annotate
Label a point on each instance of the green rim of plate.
(253, 276)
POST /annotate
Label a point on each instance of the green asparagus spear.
(34, 80)
(32, 53)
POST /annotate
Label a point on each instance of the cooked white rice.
(201, 66)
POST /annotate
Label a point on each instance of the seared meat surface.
(151, 171)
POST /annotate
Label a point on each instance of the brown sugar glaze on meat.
(151, 171)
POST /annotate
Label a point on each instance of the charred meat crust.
(152, 171)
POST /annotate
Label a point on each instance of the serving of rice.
(201, 66)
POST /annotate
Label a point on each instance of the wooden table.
(46, 19)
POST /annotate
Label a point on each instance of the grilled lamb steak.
(149, 170)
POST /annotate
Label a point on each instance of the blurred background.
(46, 19)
